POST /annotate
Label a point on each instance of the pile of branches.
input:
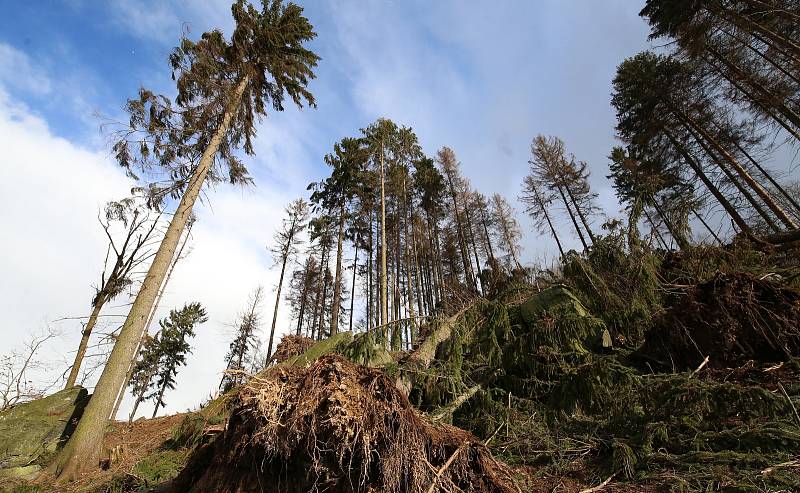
(291, 346)
(337, 427)
(730, 319)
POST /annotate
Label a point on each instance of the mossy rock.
(31, 431)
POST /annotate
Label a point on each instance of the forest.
(422, 352)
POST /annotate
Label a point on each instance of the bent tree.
(224, 86)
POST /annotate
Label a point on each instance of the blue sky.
(480, 77)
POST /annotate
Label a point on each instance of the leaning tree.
(223, 87)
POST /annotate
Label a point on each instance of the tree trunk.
(87, 332)
(679, 237)
(549, 222)
(763, 106)
(160, 397)
(580, 213)
(82, 451)
(572, 217)
(698, 216)
(732, 212)
(655, 229)
(765, 196)
(337, 283)
(353, 290)
(303, 296)
(121, 393)
(742, 189)
(277, 300)
(384, 285)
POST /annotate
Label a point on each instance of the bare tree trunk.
(744, 191)
(765, 196)
(572, 217)
(707, 227)
(277, 301)
(384, 283)
(732, 212)
(549, 221)
(337, 283)
(580, 213)
(121, 393)
(82, 451)
(87, 332)
(655, 229)
(353, 290)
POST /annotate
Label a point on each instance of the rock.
(31, 431)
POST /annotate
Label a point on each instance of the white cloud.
(50, 193)
(17, 71)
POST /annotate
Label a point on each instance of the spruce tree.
(223, 87)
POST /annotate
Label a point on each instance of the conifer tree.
(174, 346)
(223, 87)
(244, 342)
(286, 241)
(163, 354)
(336, 193)
(508, 230)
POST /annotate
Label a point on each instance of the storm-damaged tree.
(121, 261)
(163, 354)
(223, 87)
(666, 113)
(538, 207)
(244, 342)
(286, 241)
(507, 228)
(551, 171)
(451, 171)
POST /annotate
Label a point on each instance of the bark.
(384, 285)
(87, 332)
(655, 230)
(337, 283)
(549, 221)
(353, 290)
(743, 173)
(679, 237)
(732, 212)
(121, 394)
(303, 296)
(572, 217)
(581, 216)
(284, 258)
(698, 216)
(82, 451)
(744, 191)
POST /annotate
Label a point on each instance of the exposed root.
(337, 427)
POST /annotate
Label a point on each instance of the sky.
(480, 77)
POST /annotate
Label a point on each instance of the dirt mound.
(731, 319)
(337, 427)
(291, 346)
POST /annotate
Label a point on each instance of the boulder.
(30, 432)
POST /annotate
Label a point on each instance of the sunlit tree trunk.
(84, 447)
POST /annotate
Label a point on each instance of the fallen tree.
(336, 427)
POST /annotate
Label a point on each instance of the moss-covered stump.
(31, 431)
